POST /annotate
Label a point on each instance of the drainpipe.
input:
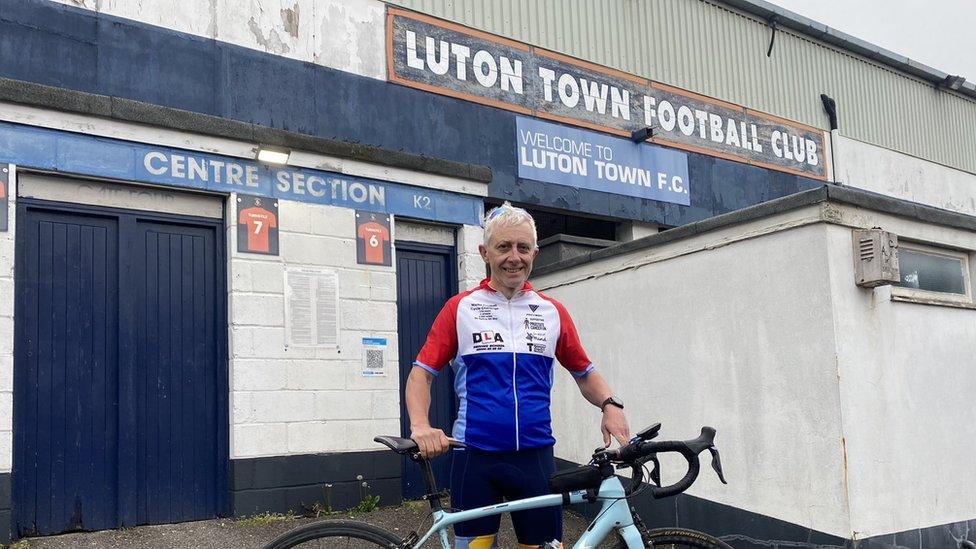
(830, 107)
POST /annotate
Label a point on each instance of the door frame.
(127, 336)
(452, 274)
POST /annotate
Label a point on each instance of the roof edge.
(128, 110)
(827, 192)
(784, 17)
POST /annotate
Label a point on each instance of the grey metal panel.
(714, 49)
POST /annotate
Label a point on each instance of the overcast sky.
(938, 33)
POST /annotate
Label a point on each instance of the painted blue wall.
(63, 46)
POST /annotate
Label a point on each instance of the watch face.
(613, 401)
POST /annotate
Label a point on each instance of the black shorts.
(485, 478)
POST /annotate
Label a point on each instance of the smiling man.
(502, 339)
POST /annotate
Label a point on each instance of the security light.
(273, 156)
(642, 134)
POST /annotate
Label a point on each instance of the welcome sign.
(449, 59)
(591, 160)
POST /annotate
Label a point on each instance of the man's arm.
(432, 442)
(596, 390)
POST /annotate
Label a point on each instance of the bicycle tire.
(678, 538)
(341, 534)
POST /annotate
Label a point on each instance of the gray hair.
(507, 215)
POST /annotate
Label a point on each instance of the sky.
(938, 33)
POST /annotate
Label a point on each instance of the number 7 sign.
(257, 225)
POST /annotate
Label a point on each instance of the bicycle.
(591, 483)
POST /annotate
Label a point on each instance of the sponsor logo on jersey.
(487, 337)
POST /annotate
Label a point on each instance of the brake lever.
(655, 473)
(717, 463)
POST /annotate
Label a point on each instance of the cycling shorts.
(480, 478)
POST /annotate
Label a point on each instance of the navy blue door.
(425, 280)
(120, 382)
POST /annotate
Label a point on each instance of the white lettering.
(438, 64)
(592, 92)
(251, 176)
(148, 163)
(732, 134)
(774, 141)
(702, 117)
(413, 60)
(547, 76)
(686, 120)
(665, 113)
(283, 183)
(358, 192)
(485, 70)
(511, 75)
(568, 90)
(461, 54)
(620, 103)
(715, 123)
(198, 168)
(812, 157)
(234, 173)
(649, 113)
(177, 166)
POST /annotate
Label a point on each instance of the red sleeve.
(442, 344)
(242, 216)
(272, 220)
(569, 348)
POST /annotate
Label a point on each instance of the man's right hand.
(432, 442)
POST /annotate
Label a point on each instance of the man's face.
(509, 254)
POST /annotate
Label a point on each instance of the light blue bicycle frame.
(614, 514)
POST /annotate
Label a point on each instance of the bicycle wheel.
(679, 538)
(339, 534)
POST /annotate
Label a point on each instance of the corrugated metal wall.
(715, 50)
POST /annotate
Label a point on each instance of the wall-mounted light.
(952, 82)
(271, 155)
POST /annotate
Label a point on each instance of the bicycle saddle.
(397, 444)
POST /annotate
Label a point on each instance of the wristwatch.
(612, 400)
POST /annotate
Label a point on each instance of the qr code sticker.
(374, 359)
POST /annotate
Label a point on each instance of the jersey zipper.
(511, 330)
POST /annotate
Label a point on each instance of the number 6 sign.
(373, 239)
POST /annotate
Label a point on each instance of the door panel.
(425, 281)
(120, 387)
(65, 368)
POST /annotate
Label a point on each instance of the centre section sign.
(591, 160)
(453, 60)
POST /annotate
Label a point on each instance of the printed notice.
(311, 308)
(374, 356)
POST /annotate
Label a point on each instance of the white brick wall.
(288, 400)
(471, 268)
(7, 329)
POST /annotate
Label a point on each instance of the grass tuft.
(265, 519)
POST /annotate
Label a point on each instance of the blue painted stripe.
(80, 154)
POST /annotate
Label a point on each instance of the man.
(502, 338)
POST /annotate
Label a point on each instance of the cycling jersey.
(502, 351)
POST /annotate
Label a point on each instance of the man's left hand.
(614, 424)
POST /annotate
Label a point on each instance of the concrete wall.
(837, 408)
(907, 376)
(698, 336)
(343, 34)
(291, 400)
(889, 172)
(7, 327)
